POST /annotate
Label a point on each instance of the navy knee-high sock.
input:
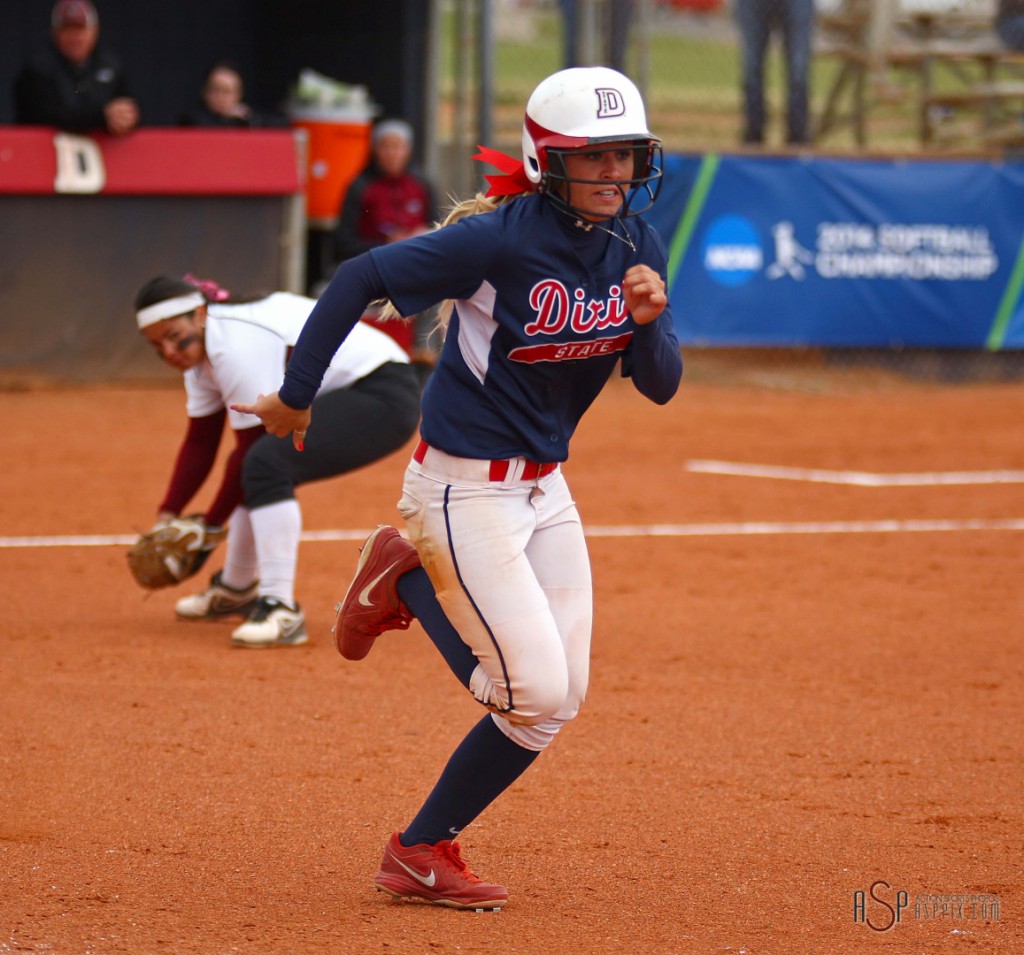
(483, 766)
(417, 593)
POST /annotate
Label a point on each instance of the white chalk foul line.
(807, 527)
(126, 540)
(621, 530)
(859, 478)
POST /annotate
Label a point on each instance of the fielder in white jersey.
(554, 284)
(367, 407)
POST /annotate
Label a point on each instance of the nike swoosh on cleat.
(364, 594)
(427, 880)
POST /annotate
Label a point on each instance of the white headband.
(168, 308)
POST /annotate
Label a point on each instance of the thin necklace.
(587, 226)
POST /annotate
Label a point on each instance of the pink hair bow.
(513, 180)
(212, 292)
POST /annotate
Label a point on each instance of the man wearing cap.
(71, 84)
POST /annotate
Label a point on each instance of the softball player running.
(367, 407)
(553, 285)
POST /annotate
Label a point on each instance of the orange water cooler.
(338, 146)
(337, 149)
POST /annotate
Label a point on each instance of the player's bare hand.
(278, 418)
(644, 294)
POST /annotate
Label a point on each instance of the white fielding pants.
(509, 563)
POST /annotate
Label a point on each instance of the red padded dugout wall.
(85, 221)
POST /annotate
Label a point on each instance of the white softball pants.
(509, 563)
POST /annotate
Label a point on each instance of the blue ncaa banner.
(815, 251)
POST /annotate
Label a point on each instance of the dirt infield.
(777, 720)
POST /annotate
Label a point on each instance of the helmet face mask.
(638, 192)
(590, 110)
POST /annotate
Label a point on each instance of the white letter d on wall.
(79, 164)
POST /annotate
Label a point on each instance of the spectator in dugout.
(387, 202)
(222, 103)
(72, 83)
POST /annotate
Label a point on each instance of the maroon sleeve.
(195, 460)
(229, 496)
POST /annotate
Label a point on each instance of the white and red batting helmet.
(594, 108)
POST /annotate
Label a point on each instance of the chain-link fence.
(683, 56)
(904, 76)
(916, 78)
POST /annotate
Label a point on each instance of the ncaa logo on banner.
(731, 251)
(609, 103)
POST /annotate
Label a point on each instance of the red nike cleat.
(437, 874)
(372, 605)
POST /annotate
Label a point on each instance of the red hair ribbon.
(513, 180)
(212, 292)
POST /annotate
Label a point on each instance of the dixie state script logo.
(555, 311)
